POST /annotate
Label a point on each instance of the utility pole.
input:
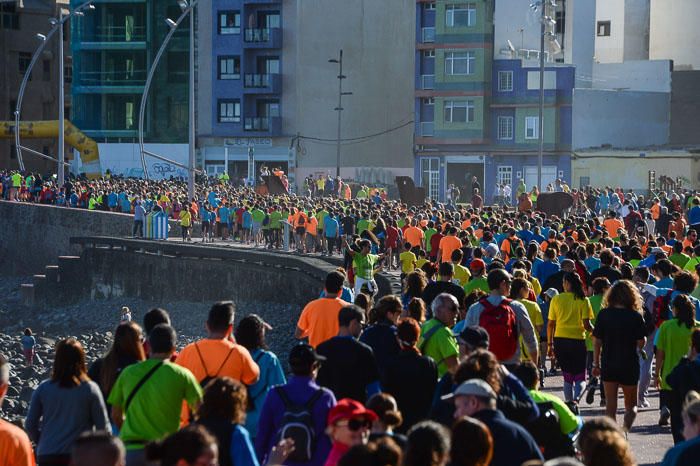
(339, 108)
(540, 153)
(61, 169)
(192, 137)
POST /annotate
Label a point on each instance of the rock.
(26, 393)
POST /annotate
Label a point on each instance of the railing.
(257, 124)
(428, 81)
(93, 78)
(257, 35)
(116, 34)
(428, 35)
(427, 128)
(257, 80)
(532, 54)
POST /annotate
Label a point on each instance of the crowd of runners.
(495, 300)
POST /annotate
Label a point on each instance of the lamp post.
(187, 9)
(339, 108)
(56, 26)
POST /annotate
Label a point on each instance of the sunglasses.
(356, 424)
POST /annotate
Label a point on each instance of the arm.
(31, 424)
(551, 327)
(660, 356)
(117, 416)
(597, 345)
(451, 363)
(587, 325)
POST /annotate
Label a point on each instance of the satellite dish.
(510, 46)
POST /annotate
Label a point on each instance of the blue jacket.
(512, 444)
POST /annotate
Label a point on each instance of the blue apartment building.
(478, 117)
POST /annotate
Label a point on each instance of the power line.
(360, 138)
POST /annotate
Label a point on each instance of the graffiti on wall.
(372, 175)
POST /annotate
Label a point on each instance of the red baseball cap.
(348, 408)
(477, 264)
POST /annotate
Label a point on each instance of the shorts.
(570, 354)
(300, 230)
(256, 227)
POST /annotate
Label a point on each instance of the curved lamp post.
(187, 8)
(57, 26)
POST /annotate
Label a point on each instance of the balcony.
(265, 38)
(427, 128)
(428, 35)
(427, 81)
(112, 38)
(262, 83)
(263, 125)
(261, 2)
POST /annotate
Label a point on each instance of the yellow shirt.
(569, 313)
(462, 274)
(536, 287)
(421, 262)
(408, 261)
(535, 313)
(185, 218)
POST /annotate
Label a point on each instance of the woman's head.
(381, 452)
(519, 288)
(191, 446)
(691, 415)
(684, 310)
(28, 332)
(349, 423)
(572, 284)
(479, 364)
(416, 282)
(428, 445)
(388, 308)
(472, 444)
(602, 443)
(408, 332)
(251, 332)
(385, 407)
(69, 364)
(623, 295)
(224, 398)
(127, 345)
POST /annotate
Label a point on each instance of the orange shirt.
(655, 211)
(612, 225)
(15, 447)
(414, 235)
(219, 357)
(466, 224)
(319, 319)
(447, 245)
(311, 226)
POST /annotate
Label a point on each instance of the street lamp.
(56, 26)
(339, 108)
(187, 9)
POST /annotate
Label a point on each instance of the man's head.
(499, 281)
(304, 361)
(567, 265)
(472, 396)
(472, 338)
(477, 267)
(154, 317)
(162, 339)
(445, 308)
(350, 320)
(334, 283)
(220, 319)
(528, 374)
(446, 271)
(98, 447)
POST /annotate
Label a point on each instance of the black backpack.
(208, 378)
(298, 424)
(547, 433)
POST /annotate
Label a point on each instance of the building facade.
(20, 21)
(477, 116)
(674, 34)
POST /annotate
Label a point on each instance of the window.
(462, 15)
(504, 175)
(532, 125)
(68, 73)
(229, 22)
(229, 68)
(430, 6)
(129, 115)
(505, 127)
(25, 59)
(459, 111)
(9, 18)
(603, 28)
(459, 63)
(505, 81)
(46, 70)
(560, 18)
(178, 67)
(429, 101)
(429, 53)
(229, 111)
(430, 176)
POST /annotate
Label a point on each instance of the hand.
(280, 452)
(595, 372)
(657, 381)
(550, 351)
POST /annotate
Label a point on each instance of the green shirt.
(155, 410)
(364, 265)
(258, 215)
(428, 234)
(362, 225)
(16, 180)
(321, 217)
(690, 265)
(679, 259)
(568, 421)
(477, 284)
(674, 341)
(275, 218)
(596, 301)
(440, 346)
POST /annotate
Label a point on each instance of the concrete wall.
(630, 169)
(685, 107)
(639, 75)
(620, 118)
(610, 49)
(377, 39)
(636, 46)
(579, 40)
(674, 33)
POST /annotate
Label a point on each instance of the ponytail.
(576, 285)
(684, 310)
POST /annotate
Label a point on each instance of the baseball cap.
(617, 251)
(551, 292)
(472, 387)
(474, 336)
(477, 264)
(348, 408)
(304, 353)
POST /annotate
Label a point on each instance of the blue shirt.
(247, 219)
(271, 374)
(112, 199)
(684, 453)
(545, 269)
(592, 263)
(299, 390)
(330, 227)
(223, 214)
(694, 215)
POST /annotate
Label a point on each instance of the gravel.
(92, 323)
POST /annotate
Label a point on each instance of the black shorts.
(300, 230)
(570, 354)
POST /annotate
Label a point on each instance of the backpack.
(547, 433)
(661, 309)
(298, 424)
(501, 325)
(266, 220)
(208, 378)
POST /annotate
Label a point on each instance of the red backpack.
(501, 325)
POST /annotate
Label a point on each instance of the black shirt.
(608, 272)
(435, 288)
(619, 330)
(348, 225)
(411, 379)
(349, 368)
(381, 337)
(512, 444)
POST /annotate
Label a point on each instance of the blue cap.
(617, 251)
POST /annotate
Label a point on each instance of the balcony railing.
(428, 35)
(427, 128)
(262, 124)
(428, 81)
(263, 83)
(111, 78)
(257, 80)
(116, 34)
(263, 37)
